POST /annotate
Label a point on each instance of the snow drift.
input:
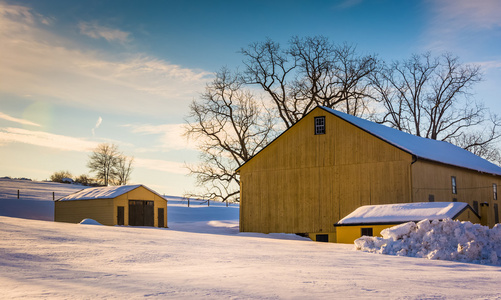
(444, 240)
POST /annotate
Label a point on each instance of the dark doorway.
(322, 238)
(161, 222)
(120, 215)
(141, 213)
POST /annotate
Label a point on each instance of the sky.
(74, 74)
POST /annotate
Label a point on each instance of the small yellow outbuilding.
(370, 220)
(134, 205)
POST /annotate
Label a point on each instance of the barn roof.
(429, 149)
(403, 212)
(106, 192)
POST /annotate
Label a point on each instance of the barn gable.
(329, 164)
(134, 205)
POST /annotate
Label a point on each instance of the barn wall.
(431, 178)
(140, 193)
(303, 182)
(75, 211)
(348, 234)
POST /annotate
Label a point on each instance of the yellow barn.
(134, 205)
(370, 220)
(330, 163)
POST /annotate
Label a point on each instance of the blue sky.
(77, 73)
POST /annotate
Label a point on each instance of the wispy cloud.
(161, 165)
(450, 19)
(40, 63)
(16, 120)
(98, 123)
(45, 139)
(171, 136)
(96, 31)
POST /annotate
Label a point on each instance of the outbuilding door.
(141, 213)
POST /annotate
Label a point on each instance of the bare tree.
(311, 71)
(123, 169)
(103, 161)
(60, 175)
(430, 97)
(230, 126)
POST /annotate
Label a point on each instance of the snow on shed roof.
(106, 192)
(429, 149)
(403, 212)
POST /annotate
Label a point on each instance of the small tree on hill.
(110, 165)
(59, 176)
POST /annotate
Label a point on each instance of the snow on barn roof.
(107, 192)
(429, 149)
(403, 212)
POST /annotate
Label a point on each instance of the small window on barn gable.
(454, 186)
(319, 125)
(495, 191)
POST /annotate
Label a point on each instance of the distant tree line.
(241, 111)
(110, 167)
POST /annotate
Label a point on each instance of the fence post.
(53, 196)
(188, 202)
(17, 194)
(208, 202)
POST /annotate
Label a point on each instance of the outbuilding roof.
(403, 212)
(106, 192)
(429, 149)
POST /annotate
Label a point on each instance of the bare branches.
(311, 71)
(230, 127)
(430, 97)
(109, 165)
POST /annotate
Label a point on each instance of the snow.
(441, 240)
(89, 222)
(107, 192)
(202, 255)
(403, 212)
(438, 151)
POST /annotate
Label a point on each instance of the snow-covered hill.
(202, 255)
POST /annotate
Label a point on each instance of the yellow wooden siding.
(303, 183)
(140, 193)
(348, 234)
(75, 211)
(105, 211)
(430, 178)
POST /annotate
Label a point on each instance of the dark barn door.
(120, 215)
(161, 217)
(141, 213)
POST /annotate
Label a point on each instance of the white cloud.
(161, 165)
(98, 123)
(37, 62)
(45, 139)
(96, 31)
(485, 14)
(170, 135)
(16, 120)
(450, 20)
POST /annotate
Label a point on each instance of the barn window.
(431, 198)
(496, 214)
(322, 238)
(475, 206)
(454, 186)
(319, 125)
(366, 231)
(495, 191)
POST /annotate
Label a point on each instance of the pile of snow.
(89, 222)
(444, 240)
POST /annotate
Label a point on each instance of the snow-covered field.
(200, 259)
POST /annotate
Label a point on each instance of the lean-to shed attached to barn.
(134, 205)
(370, 220)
